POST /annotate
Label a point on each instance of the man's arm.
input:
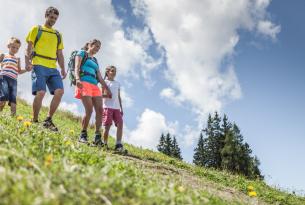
(28, 59)
(61, 62)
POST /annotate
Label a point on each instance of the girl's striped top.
(9, 66)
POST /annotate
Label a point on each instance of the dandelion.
(181, 189)
(48, 160)
(71, 132)
(68, 142)
(27, 123)
(250, 188)
(252, 194)
(19, 118)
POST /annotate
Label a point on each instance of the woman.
(88, 76)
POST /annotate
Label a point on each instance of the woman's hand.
(79, 84)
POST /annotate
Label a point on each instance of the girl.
(113, 110)
(88, 76)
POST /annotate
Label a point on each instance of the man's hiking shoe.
(49, 125)
(120, 148)
(97, 140)
(83, 138)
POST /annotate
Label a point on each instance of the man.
(44, 49)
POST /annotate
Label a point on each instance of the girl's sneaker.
(83, 138)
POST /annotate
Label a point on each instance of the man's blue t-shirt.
(90, 66)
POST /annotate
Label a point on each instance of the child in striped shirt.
(10, 68)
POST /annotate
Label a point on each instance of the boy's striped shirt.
(9, 66)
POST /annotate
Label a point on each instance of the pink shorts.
(110, 115)
(88, 89)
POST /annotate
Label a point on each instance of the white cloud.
(199, 38)
(268, 28)
(127, 101)
(150, 126)
(72, 107)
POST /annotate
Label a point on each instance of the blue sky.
(179, 62)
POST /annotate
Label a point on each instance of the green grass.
(41, 167)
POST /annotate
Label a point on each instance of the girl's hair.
(94, 41)
(108, 68)
(50, 10)
(14, 40)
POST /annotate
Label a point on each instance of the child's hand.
(122, 112)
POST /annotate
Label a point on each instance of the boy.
(10, 68)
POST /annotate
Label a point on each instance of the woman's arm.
(104, 85)
(78, 60)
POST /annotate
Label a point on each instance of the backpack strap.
(82, 72)
(38, 36)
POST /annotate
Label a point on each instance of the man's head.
(51, 16)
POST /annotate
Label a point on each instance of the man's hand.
(28, 66)
(63, 73)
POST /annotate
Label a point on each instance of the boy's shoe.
(119, 148)
(83, 138)
(47, 123)
(97, 140)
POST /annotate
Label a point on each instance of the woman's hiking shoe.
(83, 138)
(120, 148)
(47, 123)
(97, 140)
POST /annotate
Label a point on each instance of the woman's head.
(92, 46)
(110, 72)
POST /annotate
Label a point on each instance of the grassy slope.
(41, 167)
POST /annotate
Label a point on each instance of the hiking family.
(44, 49)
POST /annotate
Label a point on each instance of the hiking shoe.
(49, 125)
(119, 148)
(83, 137)
(97, 140)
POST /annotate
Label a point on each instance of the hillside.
(41, 167)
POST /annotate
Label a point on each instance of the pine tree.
(161, 145)
(168, 145)
(199, 155)
(175, 149)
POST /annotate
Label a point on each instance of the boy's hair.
(108, 68)
(94, 41)
(14, 40)
(50, 10)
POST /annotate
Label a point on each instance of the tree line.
(221, 146)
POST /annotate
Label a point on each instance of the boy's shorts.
(43, 76)
(110, 115)
(8, 89)
(88, 89)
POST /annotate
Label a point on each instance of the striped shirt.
(9, 66)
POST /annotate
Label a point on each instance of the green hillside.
(41, 167)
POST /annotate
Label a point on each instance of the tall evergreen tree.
(199, 157)
(161, 145)
(175, 149)
(168, 145)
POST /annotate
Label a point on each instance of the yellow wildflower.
(48, 160)
(250, 188)
(181, 189)
(72, 132)
(252, 194)
(19, 118)
(68, 142)
(27, 123)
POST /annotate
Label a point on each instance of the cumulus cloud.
(150, 126)
(268, 28)
(198, 36)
